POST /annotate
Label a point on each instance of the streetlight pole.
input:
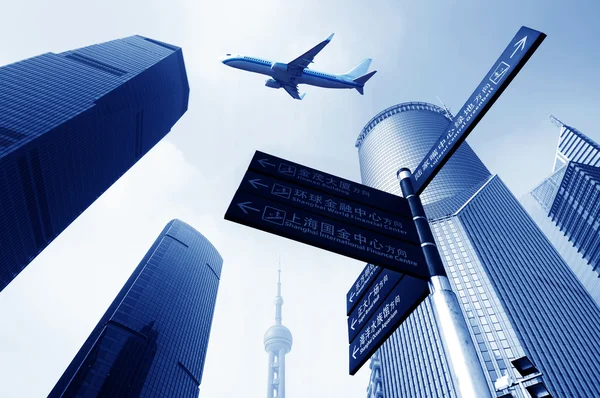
(465, 368)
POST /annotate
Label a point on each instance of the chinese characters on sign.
(385, 319)
(312, 200)
(518, 52)
(364, 280)
(325, 233)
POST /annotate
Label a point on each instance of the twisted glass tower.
(566, 205)
(516, 293)
(152, 340)
(71, 124)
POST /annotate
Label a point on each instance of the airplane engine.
(272, 83)
(279, 67)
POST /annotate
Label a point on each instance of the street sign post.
(504, 70)
(465, 367)
(390, 314)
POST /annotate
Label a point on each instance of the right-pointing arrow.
(244, 206)
(354, 351)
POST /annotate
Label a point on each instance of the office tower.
(71, 124)
(152, 340)
(278, 342)
(566, 205)
(516, 293)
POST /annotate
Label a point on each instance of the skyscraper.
(71, 124)
(152, 340)
(566, 205)
(516, 293)
(278, 342)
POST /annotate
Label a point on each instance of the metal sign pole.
(465, 368)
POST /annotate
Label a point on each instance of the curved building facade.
(400, 136)
(152, 340)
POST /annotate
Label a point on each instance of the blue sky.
(421, 49)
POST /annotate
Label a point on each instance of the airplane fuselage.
(280, 72)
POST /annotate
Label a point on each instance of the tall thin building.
(278, 342)
(152, 340)
(516, 293)
(566, 205)
(71, 124)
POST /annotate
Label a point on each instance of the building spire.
(446, 109)
(278, 299)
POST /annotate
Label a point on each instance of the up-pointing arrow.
(354, 351)
(265, 162)
(256, 182)
(353, 323)
(520, 45)
(244, 206)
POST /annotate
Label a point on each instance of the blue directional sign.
(318, 202)
(285, 170)
(327, 233)
(371, 301)
(514, 57)
(362, 283)
(392, 311)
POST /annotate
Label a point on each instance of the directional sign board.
(328, 212)
(392, 311)
(363, 282)
(514, 57)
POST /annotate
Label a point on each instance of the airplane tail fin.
(362, 80)
(359, 69)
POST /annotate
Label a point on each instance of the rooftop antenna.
(448, 113)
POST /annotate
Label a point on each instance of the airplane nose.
(224, 58)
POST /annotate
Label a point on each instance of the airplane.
(288, 76)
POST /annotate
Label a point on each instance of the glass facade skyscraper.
(516, 293)
(71, 124)
(152, 340)
(566, 205)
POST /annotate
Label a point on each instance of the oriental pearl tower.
(278, 342)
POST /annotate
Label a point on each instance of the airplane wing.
(292, 90)
(307, 58)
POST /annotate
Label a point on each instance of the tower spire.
(278, 299)
(278, 342)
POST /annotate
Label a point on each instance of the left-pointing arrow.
(256, 182)
(354, 351)
(353, 323)
(244, 206)
(265, 163)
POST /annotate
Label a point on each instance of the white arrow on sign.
(256, 182)
(354, 351)
(265, 162)
(351, 296)
(520, 45)
(353, 323)
(245, 206)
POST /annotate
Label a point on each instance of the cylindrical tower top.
(400, 136)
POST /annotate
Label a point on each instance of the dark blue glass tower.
(71, 124)
(516, 292)
(152, 340)
(566, 205)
